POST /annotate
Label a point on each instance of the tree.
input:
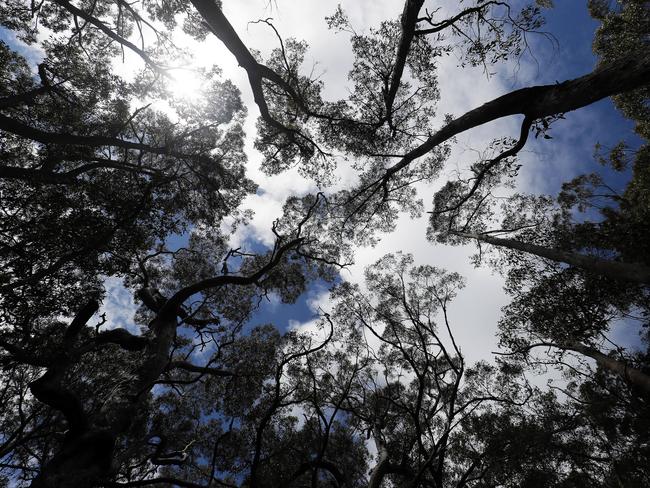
(577, 268)
(97, 176)
(587, 264)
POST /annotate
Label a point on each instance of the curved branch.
(257, 72)
(540, 101)
(172, 305)
(324, 464)
(34, 175)
(440, 26)
(478, 179)
(48, 388)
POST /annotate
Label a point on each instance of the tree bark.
(540, 101)
(77, 12)
(633, 375)
(224, 31)
(86, 459)
(18, 128)
(634, 272)
(381, 469)
(629, 373)
(408, 21)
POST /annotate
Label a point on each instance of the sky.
(475, 312)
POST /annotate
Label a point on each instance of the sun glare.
(186, 83)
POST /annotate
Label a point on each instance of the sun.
(186, 83)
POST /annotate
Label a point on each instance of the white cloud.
(119, 306)
(318, 302)
(476, 309)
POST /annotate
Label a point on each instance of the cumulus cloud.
(546, 164)
(118, 306)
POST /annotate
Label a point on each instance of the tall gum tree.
(94, 182)
(577, 264)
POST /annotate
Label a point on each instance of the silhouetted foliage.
(107, 179)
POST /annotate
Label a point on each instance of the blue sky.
(547, 163)
(574, 28)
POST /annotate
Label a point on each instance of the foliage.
(115, 177)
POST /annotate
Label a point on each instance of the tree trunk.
(82, 462)
(635, 272)
(633, 375)
(85, 460)
(535, 102)
(379, 471)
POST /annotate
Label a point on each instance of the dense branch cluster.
(106, 178)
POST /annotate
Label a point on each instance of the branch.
(70, 177)
(621, 368)
(34, 175)
(48, 389)
(156, 481)
(540, 101)
(478, 179)
(634, 272)
(80, 320)
(20, 129)
(440, 26)
(122, 338)
(328, 466)
(116, 37)
(172, 305)
(21, 355)
(381, 468)
(257, 72)
(26, 98)
(408, 20)
(184, 365)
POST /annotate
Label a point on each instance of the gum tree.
(97, 181)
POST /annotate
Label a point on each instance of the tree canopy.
(107, 175)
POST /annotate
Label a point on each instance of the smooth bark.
(540, 101)
(408, 21)
(634, 272)
(629, 373)
(632, 375)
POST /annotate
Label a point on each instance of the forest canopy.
(165, 322)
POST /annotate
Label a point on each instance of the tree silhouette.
(100, 175)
